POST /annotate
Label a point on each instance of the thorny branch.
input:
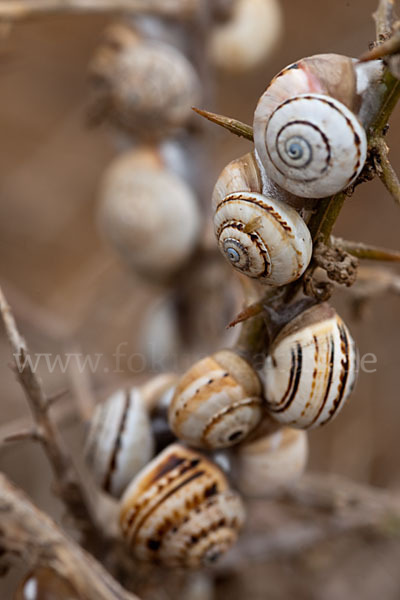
(31, 535)
(68, 486)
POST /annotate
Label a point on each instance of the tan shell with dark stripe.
(311, 370)
(257, 232)
(306, 133)
(180, 511)
(217, 402)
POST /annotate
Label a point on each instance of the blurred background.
(70, 293)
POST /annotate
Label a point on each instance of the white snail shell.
(180, 511)
(145, 86)
(270, 462)
(311, 369)
(306, 131)
(120, 440)
(259, 234)
(217, 402)
(149, 215)
(257, 20)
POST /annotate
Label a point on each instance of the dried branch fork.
(37, 540)
(68, 486)
(17, 10)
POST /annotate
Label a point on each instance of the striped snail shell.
(217, 402)
(148, 214)
(180, 511)
(270, 462)
(306, 130)
(311, 369)
(120, 440)
(257, 232)
(145, 86)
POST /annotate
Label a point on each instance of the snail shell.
(180, 511)
(270, 462)
(120, 440)
(149, 215)
(306, 131)
(145, 86)
(217, 402)
(257, 20)
(311, 369)
(259, 234)
(44, 583)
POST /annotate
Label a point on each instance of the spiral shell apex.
(120, 441)
(217, 402)
(306, 132)
(180, 511)
(270, 462)
(311, 369)
(262, 237)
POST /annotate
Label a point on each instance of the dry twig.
(31, 535)
(68, 488)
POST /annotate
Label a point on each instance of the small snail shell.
(120, 441)
(257, 20)
(149, 215)
(145, 86)
(45, 584)
(217, 402)
(311, 369)
(260, 235)
(270, 462)
(180, 511)
(306, 132)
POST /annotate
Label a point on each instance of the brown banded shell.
(268, 463)
(217, 402)
(257, 232)
(311, 369)
(120, 440)
(180, 511)
(306, 130)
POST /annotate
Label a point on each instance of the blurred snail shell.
(180, 511)
(149, 215)
(306, 130)
(145, 86)
(45, 584)
(270, 462)
(120, 440)
(259, 234)
(217, 402)
(311, 369)
(257, 20)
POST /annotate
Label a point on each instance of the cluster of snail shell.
(177, 506)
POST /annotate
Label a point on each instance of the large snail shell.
(149, 215)
(311, 369)
(145, 86)
(306, 132)
(179, 510)
(217, 402)
(120, 441)
(259, 235)
(257, 20)
(270, 462)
